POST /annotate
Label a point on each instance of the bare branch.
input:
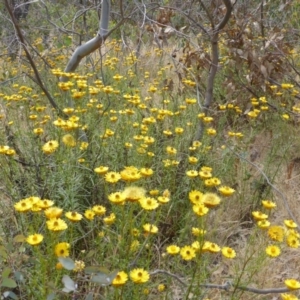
(226, 18)
(33, 66)
(226, 286)
(92, 44)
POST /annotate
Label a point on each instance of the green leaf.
(69, 284)
(19, 276)
(7, 282)
(103, 278)
(20, 238)
(9, 294)
(91, 253)
(67, 263)
(6, 272)
(51, 296)
(3, 252)
(89, 296)
(95, 269)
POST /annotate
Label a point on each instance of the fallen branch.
(226, 286)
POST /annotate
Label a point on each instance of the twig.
(33, 66)
(226, 286)
(169, 274)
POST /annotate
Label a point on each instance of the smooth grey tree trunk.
(93, 44)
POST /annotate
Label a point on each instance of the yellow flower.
(59, 123)
(287, 85)
(59, 266)
(285, 116)
(196, 246)
(150, 228)
(130, 174)
(200, 209)
(294, 233)
(148, 203)
(205, 174)
(187, 253)
(288, 297)
(290, 224)
(193, 159)
(273, 251)
(198, 231)
(89, 214)
(23, 205)
(206, 246)
(120, 279)
(3, 149)
(139, 276)
(101, 170)
(198, 144)
(259, 215)
(211, 131)
(53, 212)
(34, 239)
(73, 216)
(190, 100)
(161, 287)
(292, 284)
(110, 219)
(10, 152)
(252, 114)
(263, 224)
(192, 173)
(268, 204)
(228, 252)
(163, 200)
(56, 225)
(107, 89)
(179, 130)
(112, 177)
(211, 199)
(226, 191)
(146, 172)
(171, 151)
(211, 182)
(196, 197)
(69, 140)
(62, 249)
(173, 249)
(214, 248)
(133, 193)
(117, 198)
(45, 203)
(207, 119)
(99, 210)
(38, 131)
(117, 77)
(79, 266)
(292, 241)
(83, 146)
(276, 233)
(166, 193)
(50, 147)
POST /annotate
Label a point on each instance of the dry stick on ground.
(214, 40)
(225, 286)
(29, 57)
